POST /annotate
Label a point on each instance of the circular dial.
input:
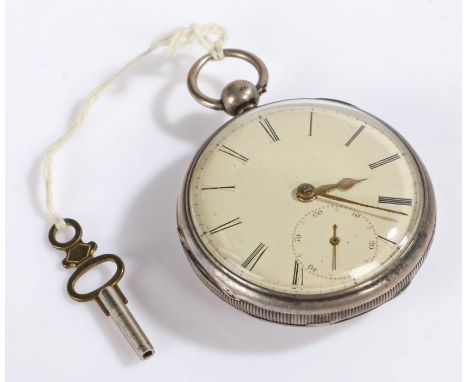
(333, 243)
(305, 197)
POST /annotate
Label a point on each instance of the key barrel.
(108, 296)
(113, 302)
(125, 321)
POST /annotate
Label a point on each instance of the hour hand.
(343, 185)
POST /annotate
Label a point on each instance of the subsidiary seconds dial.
(333, 242)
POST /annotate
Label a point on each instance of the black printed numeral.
(387, 240)
(219, 188)
(381, 162)
(298, 274)
(253, 258)
(311, 121)
(269, 129)
(354, 136)
(229, 224)
(235, 154)
(392, 200)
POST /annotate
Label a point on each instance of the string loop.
(194, 33)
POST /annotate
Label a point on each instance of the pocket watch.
(304, 211)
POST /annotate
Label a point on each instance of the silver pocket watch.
(305, 211)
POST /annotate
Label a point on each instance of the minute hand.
(337, 198)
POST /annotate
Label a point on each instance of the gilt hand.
(343, 185)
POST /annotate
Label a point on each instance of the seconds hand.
(334, 241)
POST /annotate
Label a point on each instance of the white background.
(120, 177)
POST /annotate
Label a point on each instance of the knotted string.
(172, 41)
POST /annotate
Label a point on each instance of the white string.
(172, 40)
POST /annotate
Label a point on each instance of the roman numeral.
(310, 123)
(354, 136)
(253, 258)
(233, 153)
(387, 240)
(219, 188)
(399, 201)
(227, 225)
(298, 274)
(269, 130)
(384, 161)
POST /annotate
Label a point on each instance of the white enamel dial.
(244, 205)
